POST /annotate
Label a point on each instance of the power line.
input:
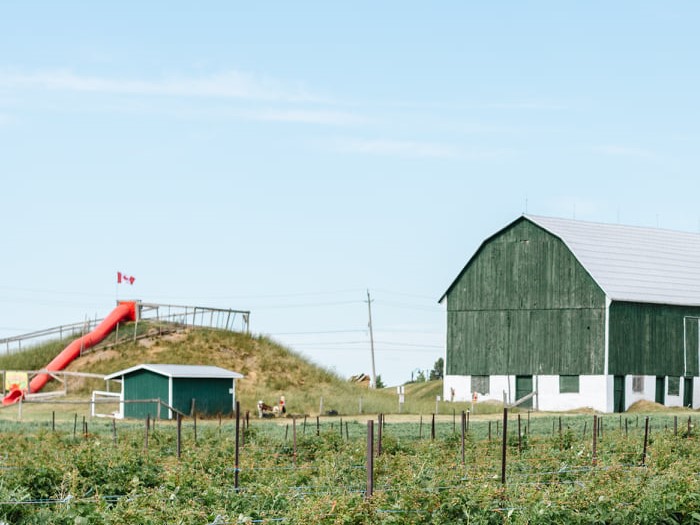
(319, 332)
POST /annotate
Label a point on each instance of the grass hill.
(270, 370)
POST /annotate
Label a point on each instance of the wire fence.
(324, 459)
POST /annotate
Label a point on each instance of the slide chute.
(125, 311)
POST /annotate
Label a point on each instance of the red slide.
(125, 311)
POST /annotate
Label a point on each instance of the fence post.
(432, 428)
(504, 447)
(193, 412)
(463, 425)
(379, 433)
(178, 418)
(238, 423)
(520, 440)
(318, 426)
(646, 438)
(114, 431)
(294, 438)
(145, 433)
(370, 459)
(595, 440)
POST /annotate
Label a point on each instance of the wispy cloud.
(625, 151)
(416, 149)
(308, 116)
(230, 84)
(403, 148)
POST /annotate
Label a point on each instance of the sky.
(288, 157)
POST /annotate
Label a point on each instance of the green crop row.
(294, 472)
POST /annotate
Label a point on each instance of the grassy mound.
(270, 371)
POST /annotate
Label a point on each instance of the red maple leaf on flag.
(122, 278)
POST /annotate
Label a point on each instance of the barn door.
(619, 394)
(523, 387)
(660, 396)
(688, 392)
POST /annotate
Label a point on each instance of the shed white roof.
(632, 263)
(188, 371)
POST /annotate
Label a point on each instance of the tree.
(380, 383)
(437, 371)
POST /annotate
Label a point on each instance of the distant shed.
(213, 388)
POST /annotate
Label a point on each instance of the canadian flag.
(121, 278)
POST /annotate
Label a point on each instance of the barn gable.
(521, 281)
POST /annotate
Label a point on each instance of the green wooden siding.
(652, 339)
(144, 384)
(525, 305)
(212, 395)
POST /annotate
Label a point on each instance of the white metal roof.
(188, 371)
(632, 263)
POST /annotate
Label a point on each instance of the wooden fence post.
(178, 418)
(370, 459)
(238, 424)
(294, 436)
(505, 445)
(595, 440)
(646, 438)
(463, 425)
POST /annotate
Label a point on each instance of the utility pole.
(371, 341)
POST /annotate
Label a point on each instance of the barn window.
(674, 386)
(480, 384)
(638, 384)
(568, 384)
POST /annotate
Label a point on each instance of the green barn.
(212, 389)
(567, 314)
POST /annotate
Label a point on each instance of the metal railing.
(196, 316)
(176, 316)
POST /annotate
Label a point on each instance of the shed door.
(688, 392)
(523, 386)
(619, 394)
(660, 396)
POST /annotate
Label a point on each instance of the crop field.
(67, 468)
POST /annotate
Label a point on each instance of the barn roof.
(184, 371)
(632, 263)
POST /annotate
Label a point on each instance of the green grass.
(270, 371)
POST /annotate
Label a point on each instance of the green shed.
(213, 390)
(561, 314)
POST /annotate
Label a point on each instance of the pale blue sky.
(285, 157)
